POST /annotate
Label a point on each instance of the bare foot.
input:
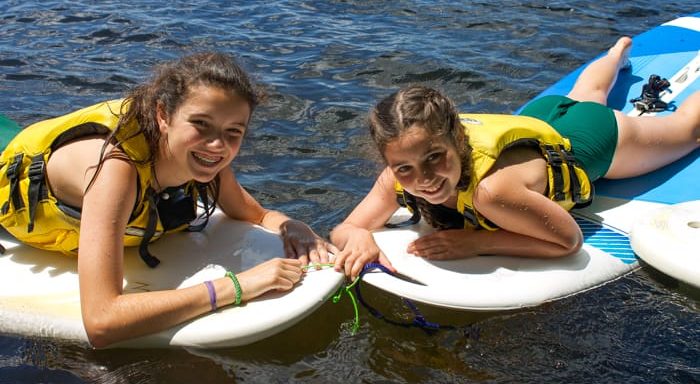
(621, 51)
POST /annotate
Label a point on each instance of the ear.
(161, 118)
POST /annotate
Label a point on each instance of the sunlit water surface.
(324, 63)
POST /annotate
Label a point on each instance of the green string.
(322, 265)
(345, 288)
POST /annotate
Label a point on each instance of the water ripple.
(324, 64)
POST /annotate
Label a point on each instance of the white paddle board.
(39, 294)
(669, 240)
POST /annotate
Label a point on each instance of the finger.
(436, 254)
(332, 248)
(292, 264)
(348, 265)
(411, 248)
(339, 260)
(289, 273)
(314, 257)
(294, 276)
(357, 268)
(289, 250)
(383, 260)
(304, 260)
(285, 283)
(322, 253)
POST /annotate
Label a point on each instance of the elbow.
(99, 332)
(571, 245)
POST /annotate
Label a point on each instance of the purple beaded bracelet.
(212, 294)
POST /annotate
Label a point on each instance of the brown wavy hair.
(429, 108)
(169, 87)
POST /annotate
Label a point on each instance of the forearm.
(506, 243)
(131, 315)
(461, 243)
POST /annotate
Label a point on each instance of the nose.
(216, 140)
(426, 174)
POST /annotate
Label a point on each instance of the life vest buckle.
(553, 156)
(13, 172)
(36, 169)
(37, 190)
(13, 168)
(470, 216)
(556, 160)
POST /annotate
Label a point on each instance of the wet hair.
(434, 112)
(168, 88)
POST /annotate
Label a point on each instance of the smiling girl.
(503, 185)
(123, 172)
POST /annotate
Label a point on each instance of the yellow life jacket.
(30, 211)
(489, 135)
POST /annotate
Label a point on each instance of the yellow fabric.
(53, 229)
(490, 134)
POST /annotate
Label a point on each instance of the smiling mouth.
(436, 188)
(206, 160)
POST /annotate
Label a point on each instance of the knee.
(691, 108)
(689, 113)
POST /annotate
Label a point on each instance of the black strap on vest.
(555, 160)
(37, 187)
(13, 172)
(576, 196)
(406, 200)
(145, 254)
(173, 207)
(207, 205)
(470, 216)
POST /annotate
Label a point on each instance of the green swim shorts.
(591, 127)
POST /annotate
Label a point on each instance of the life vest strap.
(470, 216)
(406, 200)
(208, 208)
(37, 187)
(13, 172)
(145, 254)
(576, 195)
(555, 160)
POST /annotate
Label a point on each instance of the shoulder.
(516, 170)
(72, 168)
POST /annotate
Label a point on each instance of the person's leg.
(598, 78)
(646, 143)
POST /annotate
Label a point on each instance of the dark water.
(324, 64)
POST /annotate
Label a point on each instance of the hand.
(274, 274)
(360, 249)
(300, 242)
(443, 245)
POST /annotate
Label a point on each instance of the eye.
(434, 157)
(200, 124)
(402, 170)
(235, 132)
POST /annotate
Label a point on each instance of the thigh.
(647, 143)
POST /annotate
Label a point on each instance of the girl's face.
(202, 136)
(426, 166)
